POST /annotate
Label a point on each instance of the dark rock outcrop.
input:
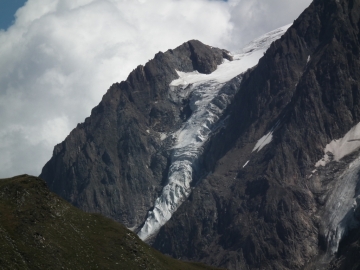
(306, 91)
(349, 253)
(115, 163)
(255, 209)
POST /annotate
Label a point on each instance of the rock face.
(208, 97)
(115, 162)
(271, 214)
(267, 192)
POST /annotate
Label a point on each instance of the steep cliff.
(253, 169)
(266, 205)
(115, 162)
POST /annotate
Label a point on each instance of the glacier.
(343, 201)
(209, 95)
(340, 208)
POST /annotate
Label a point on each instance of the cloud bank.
(60, 57)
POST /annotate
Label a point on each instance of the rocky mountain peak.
(115, 162)
(231, 159)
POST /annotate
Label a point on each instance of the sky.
(7, 11)
(59, 57)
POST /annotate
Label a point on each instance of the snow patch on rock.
(263, 42)
(339, 148)
(265, 140)
(163, 136)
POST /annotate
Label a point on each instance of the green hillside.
(39, 230)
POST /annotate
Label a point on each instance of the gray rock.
(115, 163)
(264, 216)
(268, 214)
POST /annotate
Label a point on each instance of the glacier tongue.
(208, 101)
(342, 203)
(210, 94)
(341, 206)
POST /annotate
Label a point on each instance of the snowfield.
(337, 149)
(209, 96)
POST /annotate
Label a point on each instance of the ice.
(208, 96)
(266, 139)
(208, 101)
(339, 217)
(242, 60)
(339, 148)
(340, 205)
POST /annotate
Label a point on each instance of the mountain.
(115, 162)
(39, 230)
(246, 160)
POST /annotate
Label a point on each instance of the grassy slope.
(39, 230)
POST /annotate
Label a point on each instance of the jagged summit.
(237, 159)
(273, 208)
(115, 162)
(176, 100)
(208, 96)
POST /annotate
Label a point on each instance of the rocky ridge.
(271, 213)
(115, 163)
(259, 199)
(209, 95)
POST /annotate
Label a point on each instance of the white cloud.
(60, 57)
(253, 18)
